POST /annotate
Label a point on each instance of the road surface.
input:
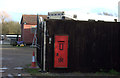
(14, 59)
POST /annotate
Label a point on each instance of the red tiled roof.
(31, 19)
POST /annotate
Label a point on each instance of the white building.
(79, 16)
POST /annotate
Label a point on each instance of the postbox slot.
(61, 41)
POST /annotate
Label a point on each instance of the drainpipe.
(44, 52)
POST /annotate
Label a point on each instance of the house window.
(58, 14)
(33, 28)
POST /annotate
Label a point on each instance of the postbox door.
(61, 52)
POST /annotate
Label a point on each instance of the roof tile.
(31, 19)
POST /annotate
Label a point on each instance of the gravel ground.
(13, 57)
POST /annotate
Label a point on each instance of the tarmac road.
(15, 57)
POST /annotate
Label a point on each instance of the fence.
(92, 45)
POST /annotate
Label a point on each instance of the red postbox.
(61, 51)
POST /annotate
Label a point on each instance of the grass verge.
(35, 71)
(110, 72)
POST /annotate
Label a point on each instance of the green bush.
(112, 71)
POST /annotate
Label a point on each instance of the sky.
(15, 8)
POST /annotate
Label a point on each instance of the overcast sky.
(18, 7)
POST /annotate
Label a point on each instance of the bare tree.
(4, 16)
(8, 26)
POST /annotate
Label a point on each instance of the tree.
(4, 16)
(11, 27)
(8, 26)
